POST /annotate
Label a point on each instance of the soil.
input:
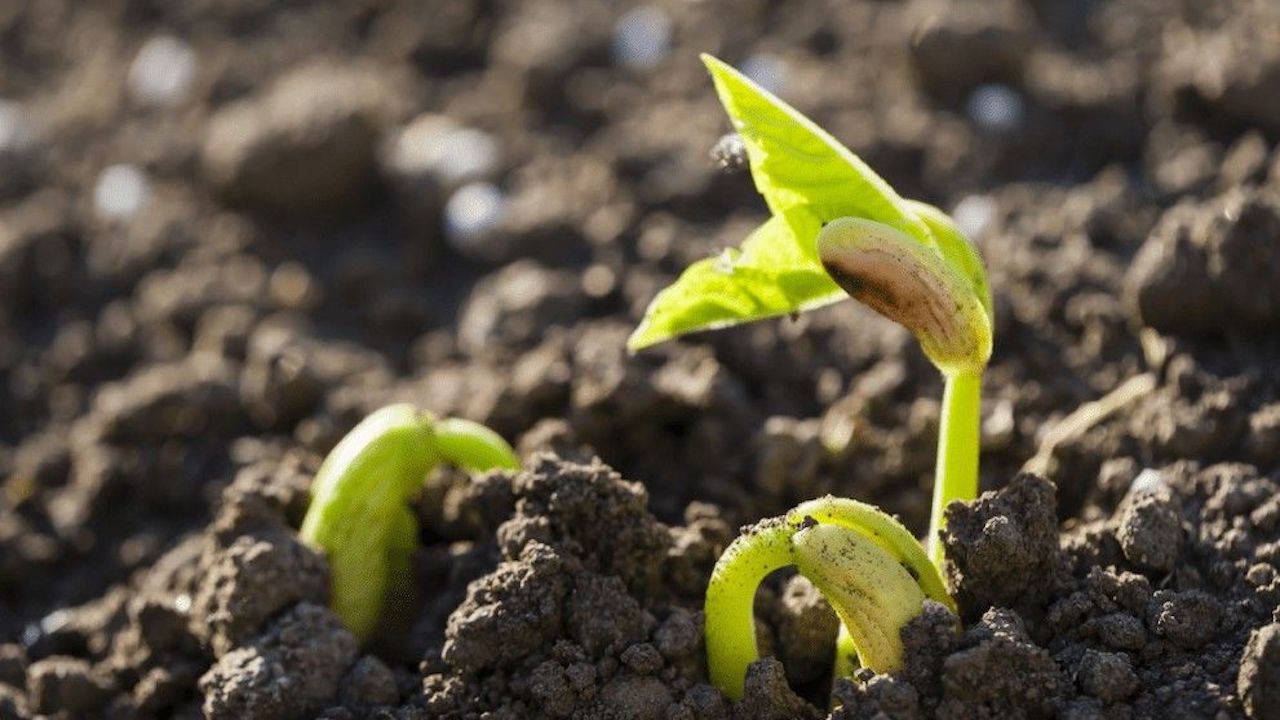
(203, 288)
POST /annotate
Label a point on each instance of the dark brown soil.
(201, 290)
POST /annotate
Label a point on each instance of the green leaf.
(799, 166)
(807, 179)
(771, 275)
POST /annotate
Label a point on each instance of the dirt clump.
(290, 671)
(307, 146)
(1150, 531)
(567, 616)
(1209, 268)
(1005, 545)
(61, 684)
(251, 580)
(1259, 680)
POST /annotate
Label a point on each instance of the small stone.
(471, 216)
(121, 191)
(436, 147)
(162, 71)
(642, 38)
(998, 427)
(996, 108)
(766, 70)
(15, 126)
(974, 213)
(1147, 482)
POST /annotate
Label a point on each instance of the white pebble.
(766, 70)
(996, 107)
(15, 125)
(433, 145)
(55, 621)
(1148, 481)
(642, 38)
(162, 71)
(999, 426)
(121, 191)
(471, 214)
(974, 213)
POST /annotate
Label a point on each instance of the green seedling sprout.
(836, 230)
(870, 568)
(359, 514)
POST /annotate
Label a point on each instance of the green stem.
(730, 602)
(958, 445)
(846, 661)
(473, 446)
(359, 514)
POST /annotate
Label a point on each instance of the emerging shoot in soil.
(838, 229)
(359, 514)
(870, 568)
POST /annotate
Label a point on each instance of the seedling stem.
(956, 477)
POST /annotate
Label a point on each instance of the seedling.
(837, 229)
(870, 568)
(359, 514)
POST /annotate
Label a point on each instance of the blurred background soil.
(230, 228)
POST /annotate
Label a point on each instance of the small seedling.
(837, 229)
(359, 514)
(870, 568)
